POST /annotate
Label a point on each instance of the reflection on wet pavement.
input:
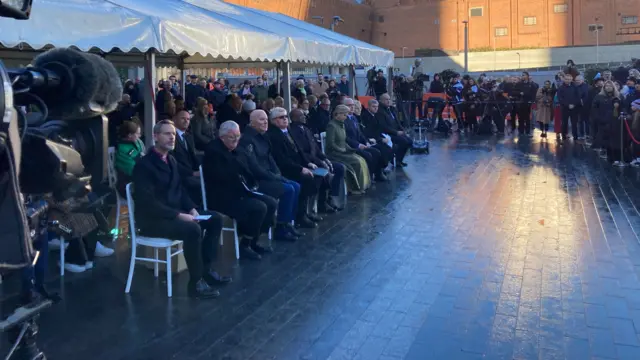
(484, 250)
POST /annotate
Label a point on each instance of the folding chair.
(113, 180)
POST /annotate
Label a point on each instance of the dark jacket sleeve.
(284, 162)
(352, 135)
(200, 137)
(145, 193)
(258, 171)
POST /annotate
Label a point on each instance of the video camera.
(53, 144)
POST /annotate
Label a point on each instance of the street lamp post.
(466, 46)
(596, 28)
(403, 49)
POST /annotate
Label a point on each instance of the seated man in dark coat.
(321, 116)
(293, 163)
(164, 209)
(185, 154)
(255, 143)
(376, 161)
(303, 136)
(231, 179)
(370, 120)
(391, 125)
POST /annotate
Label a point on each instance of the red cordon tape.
(629, 131)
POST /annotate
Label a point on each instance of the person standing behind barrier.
(544, 102)
(635, 129)
(593, 125)
(569, 100)
(583, 122)
(602, 113)
(526, 93)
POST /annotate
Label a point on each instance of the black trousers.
(402, 144)
(199, 251)
(81, 250)
(255, 214)
(572, 114)
(524, 118)
(373, 158)
(386, 153)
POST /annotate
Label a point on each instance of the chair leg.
(221, 237)
(62, 251)
(270, 235)
(169, 284)
(155, 264)
(235, 238)
(117, 225)
(131, 267)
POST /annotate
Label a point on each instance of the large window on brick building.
(629, 20)
(530, 20)
(560, 8)
(476, 11)
(502, 31)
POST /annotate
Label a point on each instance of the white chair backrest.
(204, 191)
(131, 208)
(111, 167)
(323, 140)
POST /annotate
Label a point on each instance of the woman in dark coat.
(605, 112)
(202, 128)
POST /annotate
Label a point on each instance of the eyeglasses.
(282, 117)
(232, 137)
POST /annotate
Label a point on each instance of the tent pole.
(286, 75)
(183, 77)
(149, 95)
(352, 81)
(278, 79)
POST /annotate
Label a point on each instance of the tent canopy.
(211, 31)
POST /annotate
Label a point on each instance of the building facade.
(405, 26)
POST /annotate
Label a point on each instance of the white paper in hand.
(202, 217)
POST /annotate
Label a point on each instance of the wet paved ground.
(484, 250)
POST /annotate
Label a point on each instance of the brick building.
(438, 24)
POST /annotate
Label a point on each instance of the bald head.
(297, 115)
(259, 121)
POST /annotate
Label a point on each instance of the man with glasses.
(231, 179)
(255, 143)
(294, 165)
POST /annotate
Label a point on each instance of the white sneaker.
(102, 251)
(88, 265)
(74, 268)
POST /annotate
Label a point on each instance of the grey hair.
(227, 126)
(373, 102)
(341, 109)
(348, 100)
(157, 128)
(277, 112)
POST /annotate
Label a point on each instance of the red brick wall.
(437, 24)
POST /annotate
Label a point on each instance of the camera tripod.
(22, 330)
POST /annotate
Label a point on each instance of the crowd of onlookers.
(269, 169)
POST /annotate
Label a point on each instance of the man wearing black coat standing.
(165, 210)
(293, 163)
(185, 155)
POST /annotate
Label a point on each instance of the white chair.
(155, 243)
(323, 140)
(113, 180)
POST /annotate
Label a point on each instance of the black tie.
(286, 133)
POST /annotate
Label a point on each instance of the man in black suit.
(321, 116)
(376, 160)
(231, 177)
(185, 155)
(293, 163)
(165, 210)
(391, 125)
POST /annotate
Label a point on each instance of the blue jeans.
(288, 204)
(338, 178)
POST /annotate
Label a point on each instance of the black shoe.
(381, 177)
(293, 231)
(285, 236)
(403, 164)
(314, 217)
(304, 222)
(261, 250)
(333, 204)
(202, 290)
(325, 208)
(248, 253)
(213, 278)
